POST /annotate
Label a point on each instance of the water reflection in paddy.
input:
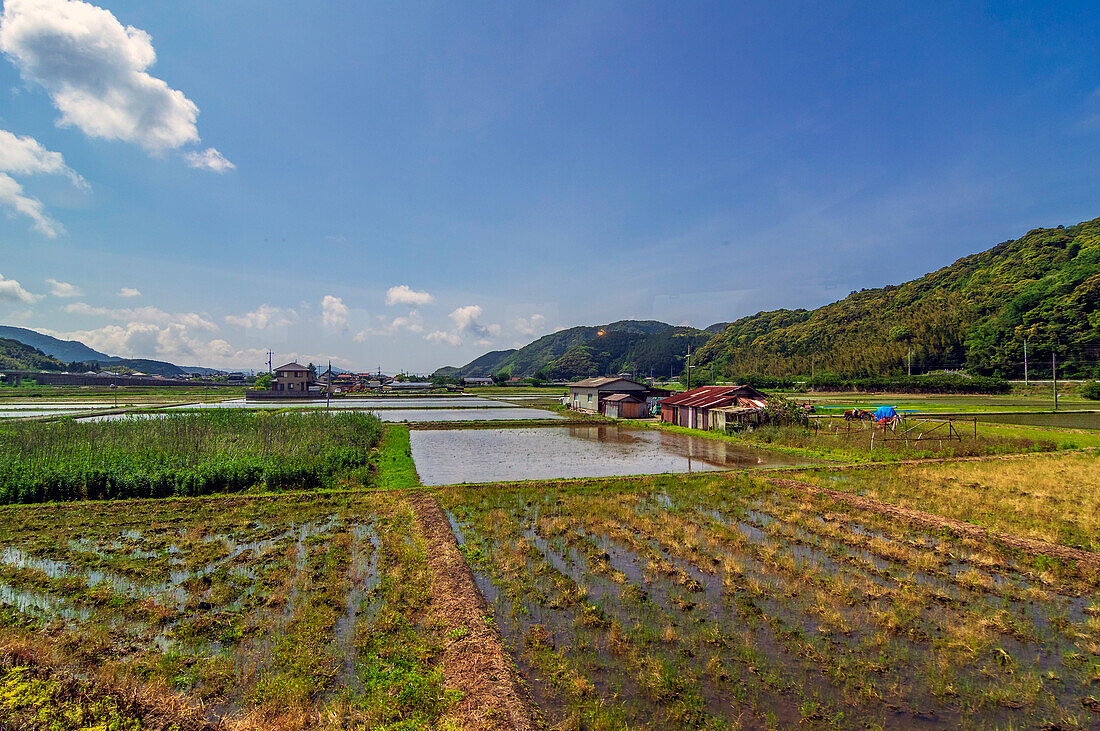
(447, 457)
(427, 402)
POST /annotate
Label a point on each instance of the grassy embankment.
(720, 602)
(184, 454)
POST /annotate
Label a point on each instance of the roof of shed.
(604, 381)
(623, 397)
(710, 397)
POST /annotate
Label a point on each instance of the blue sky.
(409, 185)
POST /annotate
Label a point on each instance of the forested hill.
(975, 314)
(638, 346)
(14, 355)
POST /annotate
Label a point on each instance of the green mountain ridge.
(15, 355)
(639, 346)
(974, 314)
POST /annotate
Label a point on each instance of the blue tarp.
(885, 412)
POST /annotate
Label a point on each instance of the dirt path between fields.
(919, 517)
(493, 696)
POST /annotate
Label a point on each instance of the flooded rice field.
(229, 601)
(425, 402)
(495, 414)
(395, 415)
(1059, 420)
(717, 602)
(448, 457)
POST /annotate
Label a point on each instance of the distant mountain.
(15, 355)
(638, 346)
(74, 351)
(976, 313)
(67, 351)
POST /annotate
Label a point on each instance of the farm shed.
(694, 408)
(624, 406)
(733, 418)
(586, 395)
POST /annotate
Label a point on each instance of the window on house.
(589, 398)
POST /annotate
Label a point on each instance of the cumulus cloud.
(63, 289)
(145, 315)
(438, 336)
(466, 320)
(263, 317)
(95, 70)
(534, 325)
(334, 313)
(27, 156)
(17, 202)
(413, 323)
(172, 342)
(402, 294)
(129, 292)
(208, 159)
(465, 317)
(12, 291)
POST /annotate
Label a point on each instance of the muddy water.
(492, 455)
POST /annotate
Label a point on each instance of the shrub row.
(911, 384)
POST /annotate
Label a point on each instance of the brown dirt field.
(919, 517)
(477, 664)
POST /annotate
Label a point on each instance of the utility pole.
(328, 389)
(1054, 375)
(269, 354)
(1025, 362)
(688, 368)
(910, 361)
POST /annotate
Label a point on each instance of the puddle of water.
(491, 414)
(432, 402)
(491, 455)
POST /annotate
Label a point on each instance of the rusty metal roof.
(710, 397)
(597, 382)
(622, 397)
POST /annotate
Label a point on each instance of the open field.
(1051, 497)
(273, 612)
(1033, 399)
(717, 601)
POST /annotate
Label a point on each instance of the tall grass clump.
(181, 454)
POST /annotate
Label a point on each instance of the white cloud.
(438, 336)
(13, 198)
(208, 159)
(466, 320)
(334, 313)
(413, 323)
(95, 70)
(263, 317)
(12, 291)
(63, 289)
(535, 325)
(404, 295)
(173, 343)
(145, 315)
(129, 292)
(26, 156)
(466, 317)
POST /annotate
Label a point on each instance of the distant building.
(696, 408)
(477, 381)
(591, 395)
(292, 378)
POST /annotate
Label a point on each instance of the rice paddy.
(714, 602)
(334, 597)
